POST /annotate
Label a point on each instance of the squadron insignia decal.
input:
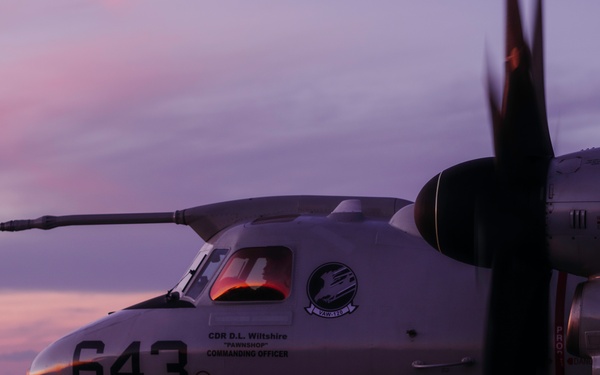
(331, 289)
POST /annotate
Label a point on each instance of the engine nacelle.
(446, 213)
(573, 212)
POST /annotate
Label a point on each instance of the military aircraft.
(353, 285)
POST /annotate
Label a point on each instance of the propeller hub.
(447, 206)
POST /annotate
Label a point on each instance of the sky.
(141, 106)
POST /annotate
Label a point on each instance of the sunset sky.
(136, 106)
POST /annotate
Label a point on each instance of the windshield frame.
(203, 275)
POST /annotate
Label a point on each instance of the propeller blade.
(523, 136)
(514, 29)
(495, 111)
(517, 336)
(537, 67)
(517, 329)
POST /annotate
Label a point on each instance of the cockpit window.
(206, 273)
(255, 274)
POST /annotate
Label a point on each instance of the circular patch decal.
(331, 290)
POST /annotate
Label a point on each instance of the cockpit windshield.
(206, 273)
(255, 274)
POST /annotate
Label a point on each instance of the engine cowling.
(573, 213)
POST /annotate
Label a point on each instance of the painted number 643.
(131, 355)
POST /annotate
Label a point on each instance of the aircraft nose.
(84, 351)
(56, 359)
